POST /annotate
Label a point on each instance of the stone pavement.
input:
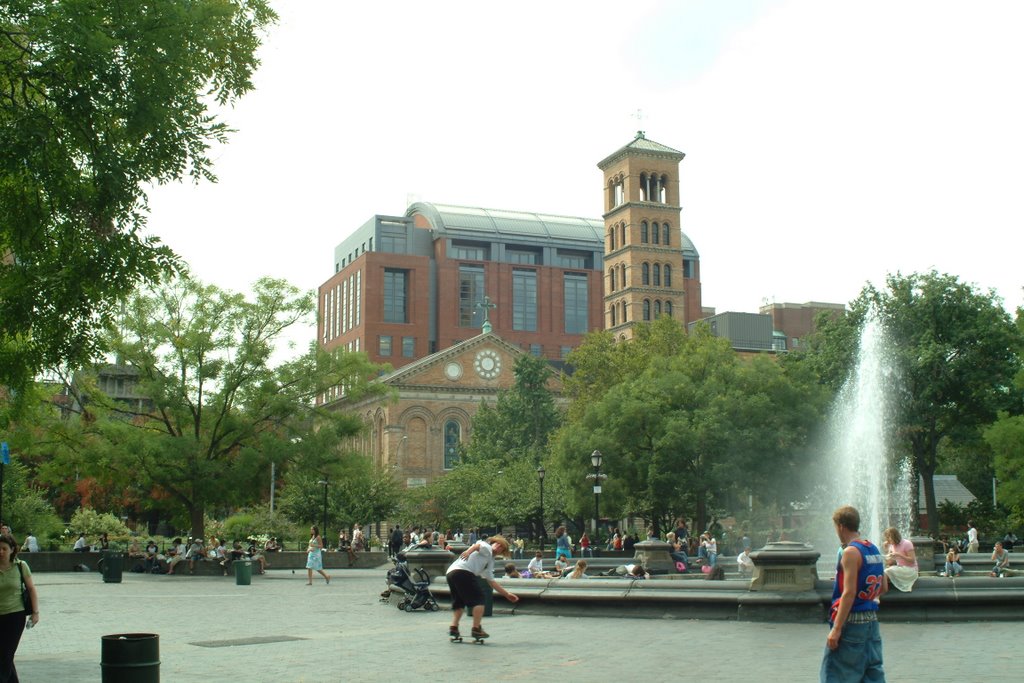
(342, 632)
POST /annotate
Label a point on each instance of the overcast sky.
(827, 144)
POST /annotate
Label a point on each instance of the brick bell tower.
(644, 243)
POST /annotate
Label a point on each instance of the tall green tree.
(98, 100)
(1006, 439)
(220, 412)
(956, 349)
(521, 420)
(697, 424)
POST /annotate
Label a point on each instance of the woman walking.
(12, 610)
(315, 556)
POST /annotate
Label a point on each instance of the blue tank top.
(870, 579)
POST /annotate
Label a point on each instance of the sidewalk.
(342, 632)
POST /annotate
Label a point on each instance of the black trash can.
(488, 597)
(130, 658)
(111, 564)
(243, 572)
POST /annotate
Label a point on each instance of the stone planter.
(784, 566)
(653, 554)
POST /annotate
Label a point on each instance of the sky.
(827, 144)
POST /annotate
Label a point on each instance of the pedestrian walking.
(315, 556)
(854, 645)
(15, 578)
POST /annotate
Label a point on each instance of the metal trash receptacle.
(130, 658)
(111, 565)
(243, 572)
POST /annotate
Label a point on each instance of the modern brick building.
(794, 322)
(408, 286)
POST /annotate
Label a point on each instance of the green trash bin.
(110, 565)
(488, 596)
(130, 658)
(243, 572)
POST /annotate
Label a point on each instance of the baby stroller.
(417, 591)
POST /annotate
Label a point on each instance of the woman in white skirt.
(315, 556)
(900, 560)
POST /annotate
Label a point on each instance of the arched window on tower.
(644, 188)
(625, 317)
(647, 309)
(663, 189)
(645, 277)
(668, 308)
(654, 233)
(622, 234)
(665, 234)
(611, 277)
(643, 232)
(657, 309)
(452, 438)
(622, 274)
(611, 240)
(618, 194)
(657, 275)
(668, 275)
(615, 316)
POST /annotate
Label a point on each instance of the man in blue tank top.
(854, 645)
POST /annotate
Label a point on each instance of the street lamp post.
(540, 478)
(595, 460)
(323, 527)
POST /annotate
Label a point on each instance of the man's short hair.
(847, 517)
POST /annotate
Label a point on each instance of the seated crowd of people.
(153, 560)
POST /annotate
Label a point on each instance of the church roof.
(446, 218)
(947, 487)
(407, 371)
(641, 144)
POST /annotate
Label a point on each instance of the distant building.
(751, 332)
(792, 323)
(416, 431)
(405, 287)
(652, 268)
(414, 291)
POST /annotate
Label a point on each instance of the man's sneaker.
(479, 633)
(453, 631)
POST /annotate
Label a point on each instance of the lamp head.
(595, 458)
(540, 473)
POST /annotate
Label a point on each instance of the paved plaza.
(342, 632)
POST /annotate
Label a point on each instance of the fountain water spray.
(862, 471)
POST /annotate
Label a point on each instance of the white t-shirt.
(536, 566)
(480, 562)
(972, 535)
(80, 543)
(32, 544)
(744, 560)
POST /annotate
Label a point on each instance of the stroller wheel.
(402, 605)
(409, 607)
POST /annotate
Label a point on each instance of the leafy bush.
(257, 522)
(94, 523)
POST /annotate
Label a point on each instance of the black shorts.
(465, 588)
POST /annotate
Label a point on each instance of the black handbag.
(26, 599)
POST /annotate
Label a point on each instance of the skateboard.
(476, 639)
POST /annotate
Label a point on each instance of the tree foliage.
(521, 421)
(218, 412)
(98, 100)
(696, 423)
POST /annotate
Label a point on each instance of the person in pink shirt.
(900, 560)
